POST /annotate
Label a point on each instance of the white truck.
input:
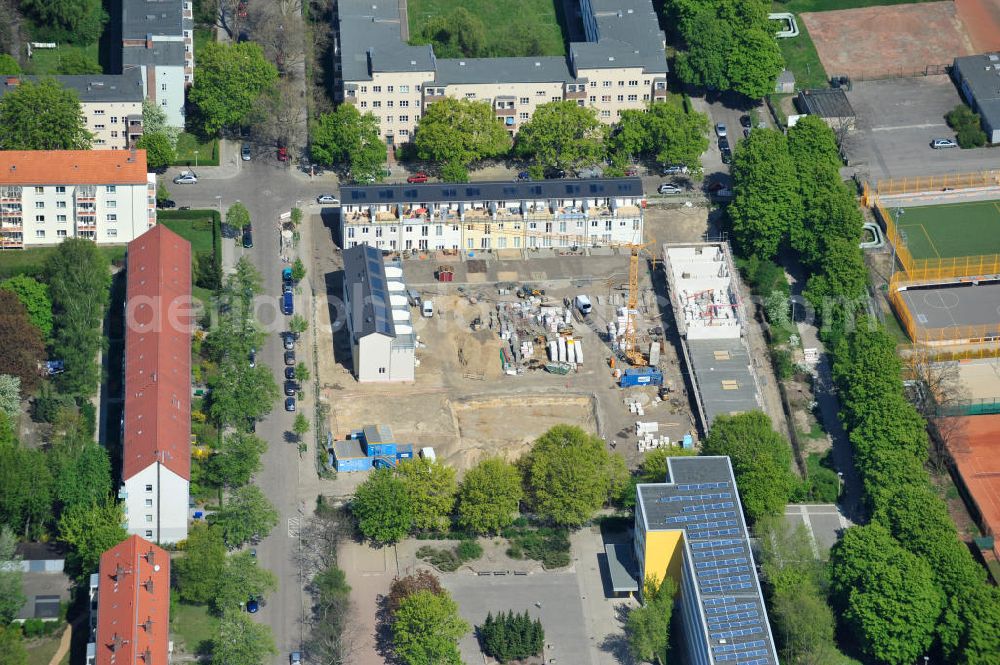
(583, 304)
(427, 308)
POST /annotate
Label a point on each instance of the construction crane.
(632, 351)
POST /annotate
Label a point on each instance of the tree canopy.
(431, 486)
(426, 629)
(198, 572)
(570, 474)
(90, 530)
(241, 579)
(346, 136)
(34, 295)
(248, 513)
(25, 485)
(237, 460)
(647, 628)
(75, 21)
(664, 132)
(242, 641)
(563, 135)
(460, 131)
(489, 496)
(42, 115)
(231, 79)
(159, 152)
(9, 65)
(383, 507)
(11, 595)
(20, 359)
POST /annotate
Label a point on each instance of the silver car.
(186, 178)
(938, 144)
(245, 152)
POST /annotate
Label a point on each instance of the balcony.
(86, 227)
(505, 113)
(12, 242)
(575, 94)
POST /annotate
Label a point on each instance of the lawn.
(202, 36)
(803, 61)
(954, 230)
(46, 61)
(202, 228)
(194, 627)
(41, 649)
(512, 28)
(828, 5)
(192, 151)
(32, 261)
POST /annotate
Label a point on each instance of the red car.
(632, 171)
(282, 154)
(418, 178)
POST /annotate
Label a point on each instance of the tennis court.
(951, 230)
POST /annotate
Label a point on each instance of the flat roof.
(168, 54)
(951, 305)
(152, 17)
(725, 379)
(349, 449)
(492, 191)
(621, 566)
(541, 69)
(973, 445)
(700, 498)
(832, 103)
(981, 74)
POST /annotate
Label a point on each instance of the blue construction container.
(641, 376)
(688, 442)
(404, 451)
(378, 441)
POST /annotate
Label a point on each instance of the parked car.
(289, 358)
(554, 174)
(632, 171)
(253, 358)
(724, 143)
(290, 404)
(328, 199)
(245, 152)
(745, 122)
(418, 178)
(724, 194)
(288, 342)
(282, 154)
(675, 169)
(248, 236)
(669, 189)
(720, 129)
(524, 175)
(295, 658)
(290, 389)
(938, 144)
(166, 204)
(253, 606)
(727, 155)
(186, 178)
(746, 132)
(287, 304)
(289, 373)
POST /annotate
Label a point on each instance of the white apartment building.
(47, 196)
(158, 40)
(111, 105)
(622, 65)
(487, 216)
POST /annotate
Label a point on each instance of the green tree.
(81, 471)
(240, 580)
(9, 65)
(42, 115)
(77, 63)
(647, 628)
(240, 392)
(199, 570)
(298, 325)
(887, 594)
(12, 651)
(403, 587)
(302, 372)
(298, 270)
(154, 121)
(79, 281)
(970, 629)
(237, 460)
(431, 487)
(25, 485)
(456, 34)
(426, 629)
(237, 216)
(761, 459)
(569, 475)
(89, 530)
(248, 513)
(766, 193)
(21, 359)
(11, 596)
(301, 426)
(296, 216)
(10, 397)
(460, 131)
(664, 132)
(383, 507)
(489, 496)
(231, 79)
(34, 295)
(349, 137)
(159, 152)
(242, 641)
(75, 21)
(967, 125)
(563, 135)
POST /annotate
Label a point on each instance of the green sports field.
(948, 231)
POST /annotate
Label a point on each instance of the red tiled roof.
(974, 444)
(157, 354)
(72, 167)
(133, 604)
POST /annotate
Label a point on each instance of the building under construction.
(711, 320)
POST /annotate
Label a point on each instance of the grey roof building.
(159, 18)
(978, 77)
(492, 191)
(126, 87)
(831, 105)
(723, 616)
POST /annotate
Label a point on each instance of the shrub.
(469, 550)
(967, 126)
(48, 404)
(445, 560)
(549, 546)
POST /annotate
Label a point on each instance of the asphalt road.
(267, 188)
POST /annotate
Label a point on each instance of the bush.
(469, 550)
(88, 415)
(783, 365)
(549, 546)
(967, 126)
(450, 560)
(48, 404)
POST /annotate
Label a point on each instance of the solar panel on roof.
(510, 190)
(716, 543)
(385, 193)
(741, 632)
(410, 193)
(729, 625)
(724, 605)
(728, 648)
(708, 565)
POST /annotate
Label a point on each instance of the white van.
(583, 304)
(427, 308)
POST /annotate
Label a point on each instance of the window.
(605, 98)
(163, 87)
(633, 98)
(389, 88)
(112, 233)
(39, 204)
(149, 517)
(388, 118)
(114, 119)
(593, 99)
(39, 218)
(557, 99)
(101, 111)
(110, 189)
(98, 126)
(390, 103)
(39, 234)
(149, 533)
(381, 370)
(605, 114)
(439, 230)
(645, 97)
(404, 118)
(350, 231)
(364, 88)
(376, 88)
(633, 84)
(149, 503)
(540, 93)
(404, 88)
(60, 204)
(364, 105)
(525, 100)
(149, 488)
(404, 132)
(606, 84)
(60, 189)
(114, 135)
(621, 98)
(376, 105)
(112, 204)
(112, 217)
(470, 95)
(60, 218)
(39, 190)
(621, 84)
(423, 230)
(522, 116)
(404, 103)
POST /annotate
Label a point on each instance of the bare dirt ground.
(883, 41)
(982, 21)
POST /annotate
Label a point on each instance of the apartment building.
(130, 605)
(491, 216)
(158, 41)
(621, 65)
(47, 196)
(691, 528)
(111, 105)
(156, 423)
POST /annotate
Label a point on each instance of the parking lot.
(896, 121)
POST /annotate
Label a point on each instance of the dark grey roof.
(621, 565)
(170, 54)
(491, 191)
(369, 30)
(41, 551)
(700, 497)
(125, 87)
(141, 18)
(366, 292)
(499, 70)
(711, 369)
(627, 35)
(831, 103)
(981, 74)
